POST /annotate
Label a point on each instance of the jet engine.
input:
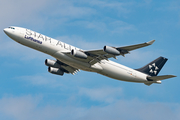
(79, 54)
(52, 63)
(56, 71)
(111, 50)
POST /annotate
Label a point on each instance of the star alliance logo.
(153, 68)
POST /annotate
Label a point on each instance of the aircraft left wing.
(67, 68)
(58, 67)
(94, 56)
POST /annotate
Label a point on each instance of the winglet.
(151, 42)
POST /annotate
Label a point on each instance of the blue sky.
(28, 91)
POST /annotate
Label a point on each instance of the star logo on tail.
(153, 68)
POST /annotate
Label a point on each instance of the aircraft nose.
(6, 30)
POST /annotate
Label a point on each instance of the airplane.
(70, 59)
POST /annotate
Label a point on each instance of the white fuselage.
(57, 49)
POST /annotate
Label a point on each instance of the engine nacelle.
(79, 54)
(52, 63)
(111, 50)
(56, 71)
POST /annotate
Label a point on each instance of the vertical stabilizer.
(154, 67)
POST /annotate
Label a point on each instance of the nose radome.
(6, 30)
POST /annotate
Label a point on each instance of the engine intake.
(56, 71)
(78, 54)
(111, 50)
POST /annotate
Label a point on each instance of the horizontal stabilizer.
(156, 78)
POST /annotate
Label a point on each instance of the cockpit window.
(11, 27)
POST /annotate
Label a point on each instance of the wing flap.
(157, 78)
(68, 68)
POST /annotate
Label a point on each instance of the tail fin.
(154, 67)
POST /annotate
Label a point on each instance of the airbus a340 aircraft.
(70, 59)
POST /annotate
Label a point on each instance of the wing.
(68, 69)
(101, 54)
(133, 47)
(94, 56)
